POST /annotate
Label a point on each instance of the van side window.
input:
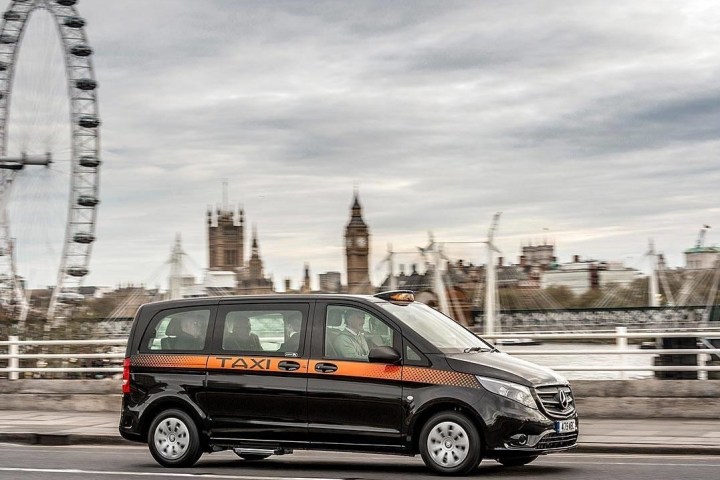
(275, 331)
(350, 333)
(183, 331)
(413, 356)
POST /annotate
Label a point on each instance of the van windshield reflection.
(441, 331)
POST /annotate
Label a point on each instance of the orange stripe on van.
(361, 370)
(378, 371)
(375, 371)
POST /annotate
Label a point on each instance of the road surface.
(130, 462)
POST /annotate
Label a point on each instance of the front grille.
(557, 440)
(551, 400)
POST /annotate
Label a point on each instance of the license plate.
(565, 426)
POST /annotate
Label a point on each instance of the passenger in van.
(332, 330)
(183, 333)
(238, 334)
(350, 342)
(293, 324)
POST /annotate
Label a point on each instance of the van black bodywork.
(278, 403)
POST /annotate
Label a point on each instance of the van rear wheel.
(174, 439)
(450, 444)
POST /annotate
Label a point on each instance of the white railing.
(620, 337)
(14, 356)
(621, 349)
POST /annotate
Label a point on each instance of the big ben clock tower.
(357, 251)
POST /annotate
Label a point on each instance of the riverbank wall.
(594, 398)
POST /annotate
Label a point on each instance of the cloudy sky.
(594, 124)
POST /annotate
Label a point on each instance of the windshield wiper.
(480, 349)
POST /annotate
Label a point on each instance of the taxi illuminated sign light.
(397, 296)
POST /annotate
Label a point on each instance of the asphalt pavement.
(650, 436)
(41, 462)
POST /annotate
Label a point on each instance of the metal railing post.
(622, 343)
(13, 361)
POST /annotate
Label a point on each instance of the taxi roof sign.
(397, 296)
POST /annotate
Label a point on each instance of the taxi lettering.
(245, 363)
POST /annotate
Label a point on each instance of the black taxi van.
(384, 373)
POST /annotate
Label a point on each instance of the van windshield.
(441, 331)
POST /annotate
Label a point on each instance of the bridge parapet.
(657, 318)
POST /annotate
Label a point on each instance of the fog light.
(519, 439)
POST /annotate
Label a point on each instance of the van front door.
(257, 373)
(351, 401)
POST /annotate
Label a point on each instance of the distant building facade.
(701, 258)
(330, 282)
(583, 275)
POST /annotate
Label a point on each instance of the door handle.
(290, 366)
(325, 367)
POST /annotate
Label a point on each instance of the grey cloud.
(597, 120)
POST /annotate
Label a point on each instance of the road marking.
(72, 471)
(641, 464)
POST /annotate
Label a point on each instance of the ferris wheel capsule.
(86, 84)
(89, 121)
(90, 161)
(74, 22)
(77, 271)
(12, 16)
(81, 50)
(83, 237)
(66, 3)
(87, 201)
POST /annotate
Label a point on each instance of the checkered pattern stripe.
(375, 371)
(169, 361)
(439, 377)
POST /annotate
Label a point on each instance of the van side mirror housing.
(384, 355)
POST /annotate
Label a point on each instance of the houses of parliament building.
(226, 257)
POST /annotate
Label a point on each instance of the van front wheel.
(174, 439)
(450, 444)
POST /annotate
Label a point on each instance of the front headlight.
(513, 391)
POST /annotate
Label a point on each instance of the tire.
(517, 461)
(174, 439)
(450, 444)
(252, 457)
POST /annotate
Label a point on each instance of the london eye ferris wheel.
(49, 152)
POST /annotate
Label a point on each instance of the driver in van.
(350, 342)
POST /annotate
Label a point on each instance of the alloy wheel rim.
(171, 438)
(448, 444)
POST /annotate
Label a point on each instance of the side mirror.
(384, 355)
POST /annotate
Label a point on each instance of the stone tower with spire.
(226, 239)
(253, 281)
(357, 251)
(255, 264)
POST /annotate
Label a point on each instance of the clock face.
(361, 242)
(348, 242)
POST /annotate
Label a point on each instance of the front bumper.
(514, 429)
